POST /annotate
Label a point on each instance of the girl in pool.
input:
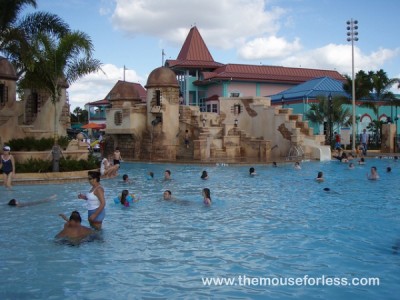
(125, 198)
(95, 200)
(124, 195)
(207, 197)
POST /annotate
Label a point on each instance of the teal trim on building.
(258, 90)
(225, 86)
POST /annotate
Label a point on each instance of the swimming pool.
(278, 224)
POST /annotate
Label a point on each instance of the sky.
(290, 33)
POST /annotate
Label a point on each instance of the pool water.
(278, 224)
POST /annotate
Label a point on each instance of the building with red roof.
(202, 80)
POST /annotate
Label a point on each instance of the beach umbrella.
(93, 126)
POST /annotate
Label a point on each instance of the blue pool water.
(278, 224)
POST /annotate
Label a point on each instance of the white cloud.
(223, 24)
(96, 86)
(338, 57)
(270, 47)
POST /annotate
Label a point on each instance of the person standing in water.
(7, 166)
(95, 200)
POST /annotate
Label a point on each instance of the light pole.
(330, 118)
(352, 36)
(283, 101)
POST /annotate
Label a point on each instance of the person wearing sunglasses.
(95, 200)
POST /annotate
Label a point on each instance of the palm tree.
(321, 111)
(381, 85)
(17, 34)
(58, 62)
(77, 113)
(362, 84)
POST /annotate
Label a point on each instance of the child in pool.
(207, 197)
(125, 198)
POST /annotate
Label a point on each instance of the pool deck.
(48, 178)
(80, 176)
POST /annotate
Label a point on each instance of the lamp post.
(236, 122)
(352, 36)
(330, 103)
(283, 101)
(396, 140)
(391, 110)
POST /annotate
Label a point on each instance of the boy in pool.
(73, 228)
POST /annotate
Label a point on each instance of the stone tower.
(162, 113)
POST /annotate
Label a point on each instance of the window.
(214, 108)
(3, 94)
(158, 98)
(235, 94)
(118, 118)
(35, 102)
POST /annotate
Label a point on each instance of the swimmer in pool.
(373, 175)
(14, 202)
(167, 175)
(204, 175)
(73, 228)
(328, 190)
(320, 177)
(167, 195)
(125, 178)
(206, 197)
(252, 172)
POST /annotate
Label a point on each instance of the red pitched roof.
(194, 47)
(194, 53)
(99, 103)
(123, 90)
(267, 73)
(127, 90)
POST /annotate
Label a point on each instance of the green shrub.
(66, 165)
(34, 165)
(63, 141)
(31, 144)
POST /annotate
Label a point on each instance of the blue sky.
(292, 33)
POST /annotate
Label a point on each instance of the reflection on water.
(279, 223)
